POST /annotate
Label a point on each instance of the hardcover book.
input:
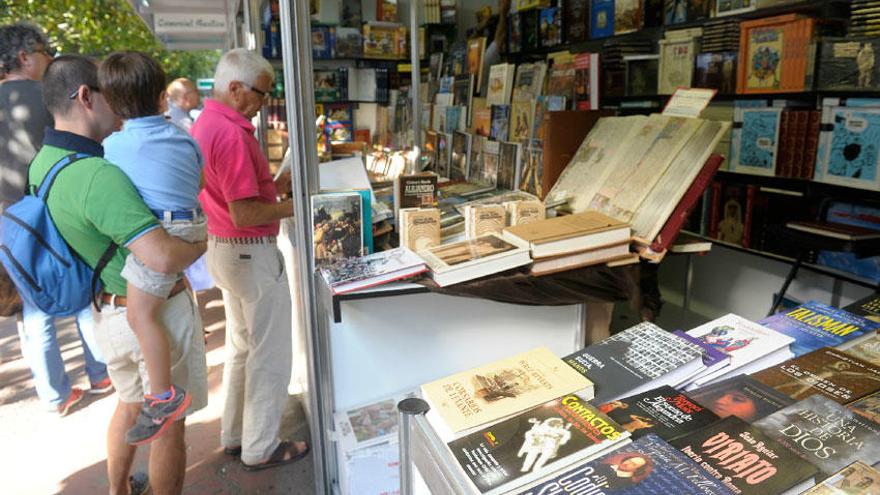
(850, 158)
(755, 146)
(824, 433)
(352, 274)
(534, 443)
(474, 258)
(741, 396)
(774, 53)
(415, 191)
(676, 65)
(648, 465)
(384, 40)
(469, 399)
(419, 228)
(337, 227)
(815, 325)
(570, 233)
(829, 372)
(856, 479)
(663, 411)
(849, 65)
(716, 71)
(524, 211)
(744, 341)
(746, 460)
(483, 219)
(602, 19)
(639, 358)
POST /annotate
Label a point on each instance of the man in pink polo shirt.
(240, 201)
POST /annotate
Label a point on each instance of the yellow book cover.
(764, 62)
(420, 228)
(482, 395)
(525, 212)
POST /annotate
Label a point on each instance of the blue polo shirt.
(163, 162)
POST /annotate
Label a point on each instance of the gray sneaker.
(139, 483)
(156, 416)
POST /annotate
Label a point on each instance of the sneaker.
(101, 387)
(76, 395)
(156, 416)
(139, 483)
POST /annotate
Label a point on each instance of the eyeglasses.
(48, 51)
(262, 94)
(75, 92)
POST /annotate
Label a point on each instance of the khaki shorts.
(160, 284)
(125, 363)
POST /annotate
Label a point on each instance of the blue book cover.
(757, 141)
(815, 325)
(647, 465)
(830, 106)
(322, 42)
(500, 122)
(853, 152)
(602, 19)
(453, 118)
(367, 219)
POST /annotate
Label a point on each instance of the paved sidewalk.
(44, 454)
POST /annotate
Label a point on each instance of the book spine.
(751, 191)
(812, 144)
(716, 210)
(783, 157)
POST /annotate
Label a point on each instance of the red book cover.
(812, 146)
(751, 190)
(679, 216)
(783, 158)
(715, 211)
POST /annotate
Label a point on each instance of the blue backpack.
(46, 272)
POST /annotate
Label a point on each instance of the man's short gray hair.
(240, 65)
(18, 37)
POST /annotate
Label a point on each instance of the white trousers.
(256, 297)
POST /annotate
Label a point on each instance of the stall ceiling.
(189, 24)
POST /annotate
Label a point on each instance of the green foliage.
(98, 27)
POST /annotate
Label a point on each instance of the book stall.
(471, 199)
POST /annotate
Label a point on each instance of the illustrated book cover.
(856, 479)
(741, 396)
(814, 325)
(419, 228)
(337, 227)
(663, 411)
(351, 274)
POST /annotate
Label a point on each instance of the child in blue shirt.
(164, 163)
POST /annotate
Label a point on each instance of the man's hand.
(284, 184)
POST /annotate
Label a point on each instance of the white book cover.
(500, 84)
(367, 425)
(743, 340)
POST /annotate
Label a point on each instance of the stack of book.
(474, 258)
(563, 243)
(353, 274)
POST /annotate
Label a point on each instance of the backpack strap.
(42, 191)
(96, 275)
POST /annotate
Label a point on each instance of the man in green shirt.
(93, 204)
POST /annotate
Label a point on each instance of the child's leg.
(144, 318)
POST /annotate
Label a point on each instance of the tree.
(98, 27)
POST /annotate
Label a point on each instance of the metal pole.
(407, 408)
(298, 86)
(416, 88)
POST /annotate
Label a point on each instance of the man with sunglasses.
(24, 55)
(240, 201)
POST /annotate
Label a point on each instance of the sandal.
(278, 456)
(232, 451)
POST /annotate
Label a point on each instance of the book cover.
(570, 227)
(531, 34)
(867, 307)
(500, 84)
(602, 19)
(326, 87)
(514, 33)
(828, 372)
(442, 154)
(550, 27)
(663, 411)
(502, 388)
(469, 252)
(731, 7)
(534, 443)
(648, 465)
(524, 212)
(522, 115)
(322, 42)
(628, 16)
(416, 191)
(824, 433)
(576, 20)
(675, 12)
(743, 340)
(867, 349)
(349, 42)
(642, 72)
(532, 170)
(763, 63)
(848, 65)
(508, 159)
(755, 146)
(482, 121)
(483, 219)
(814, 325)
(463, 90)
(461, 147)
(852, 155)
(632, 360)
(529, 81)
(486, 169)
(745, 459)
(476, 48)
(368, 425)
(867, 407)
(741, 396)
(337, 225)
(350, 274)
(419, 228)
(676, 65)
(500, 122)
(453, 119)
(856, 479)
(384, 40)
(716, 71)
(586, 81)
(543, 105)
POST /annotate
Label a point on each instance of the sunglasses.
(75, 92)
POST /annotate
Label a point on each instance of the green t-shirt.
(93, 203)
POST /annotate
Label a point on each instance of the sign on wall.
(189, 23)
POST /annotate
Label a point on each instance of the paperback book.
(535, 443)
(469, 399)
(640, 358)
(856, 479)
(337, 225)
(824, 433)
(663, 411)
(368, 425)
(746, 460)
(419, 228)
(648, 465)
(815, 325)
(829, 372)
(741, 396)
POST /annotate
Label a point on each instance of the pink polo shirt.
(235, 169)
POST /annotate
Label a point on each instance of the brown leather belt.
(121, 301)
